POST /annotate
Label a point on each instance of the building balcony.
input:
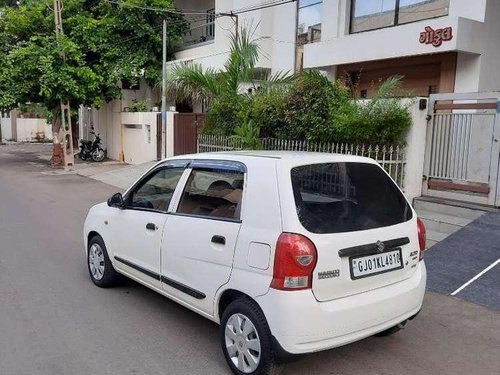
(197, 36)
(200, 16)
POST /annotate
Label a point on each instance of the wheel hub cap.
(242, 343)
(96, 261)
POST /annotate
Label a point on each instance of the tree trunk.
(57, 159)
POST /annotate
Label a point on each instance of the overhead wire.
(264, 5)
(185, 12)
(156, 28)
(261, 5)
(164, 10)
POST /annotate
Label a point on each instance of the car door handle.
(151, 226)
(219, 239)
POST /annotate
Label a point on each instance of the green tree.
(103, 42)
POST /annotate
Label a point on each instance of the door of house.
(463, 148)
(186, 127)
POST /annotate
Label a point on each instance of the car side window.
(156, 192)
(214, 193)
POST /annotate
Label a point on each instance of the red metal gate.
(186, 127)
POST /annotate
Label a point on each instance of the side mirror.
(116, 200)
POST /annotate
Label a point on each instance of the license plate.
(370, 265)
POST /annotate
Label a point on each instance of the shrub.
(383, 120)
(266, 109)
(315, 109)
(139, 106)
(307, 107)
(225, 114)
(34, 110)
(248, 134)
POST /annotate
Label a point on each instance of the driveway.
(53, 320)
(466, 264)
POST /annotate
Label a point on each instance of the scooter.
(92, 150)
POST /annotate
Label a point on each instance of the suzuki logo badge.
(380, 246)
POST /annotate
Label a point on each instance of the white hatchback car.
(289, 252)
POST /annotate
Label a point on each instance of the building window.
(309, 21)
(213, 193)
(375, 14)
(210, 28)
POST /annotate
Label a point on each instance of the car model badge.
(328, 274)
(380, 246)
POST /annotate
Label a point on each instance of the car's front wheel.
(100, 268)
(246, 339)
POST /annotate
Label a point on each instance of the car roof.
(282, 157)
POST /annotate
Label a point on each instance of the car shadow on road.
(421, 348)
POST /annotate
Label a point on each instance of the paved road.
(54, 321)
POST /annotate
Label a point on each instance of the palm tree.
(188, 80)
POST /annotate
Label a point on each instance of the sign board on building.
(436, 37)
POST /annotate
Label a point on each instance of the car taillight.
(421, 236)
(294, 262)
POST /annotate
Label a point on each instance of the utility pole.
(65, 135)
(164, 93)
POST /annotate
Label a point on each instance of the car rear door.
(200, 236)
(364, 230)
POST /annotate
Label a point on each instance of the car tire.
(245, 336)
(392, 330)
(102, 272)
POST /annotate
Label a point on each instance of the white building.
(439, 46)
(450, 48)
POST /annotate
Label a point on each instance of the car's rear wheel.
(100, 268)
(392, 330)
(246, 339)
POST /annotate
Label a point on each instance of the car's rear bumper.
(301, 324)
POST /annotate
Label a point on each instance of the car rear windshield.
(347, 197)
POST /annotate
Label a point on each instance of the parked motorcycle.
(92, 150)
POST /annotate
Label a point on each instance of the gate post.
(428, 143)
(169, 142)
(495, 161)
(414, 152)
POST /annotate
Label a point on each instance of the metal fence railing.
(391, 158)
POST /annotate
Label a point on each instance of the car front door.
(137, 227)
(199, 238)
